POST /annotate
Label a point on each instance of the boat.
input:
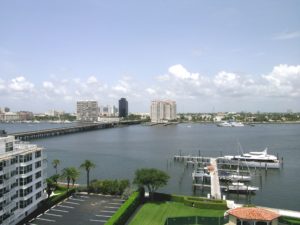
(224, 124)
(230, 124)
(199, 174)
(235, 176)
(238, 187)
(237, 124)
(255, 159)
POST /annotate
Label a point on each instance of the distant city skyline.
(207, 56)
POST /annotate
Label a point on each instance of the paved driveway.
(80, 210)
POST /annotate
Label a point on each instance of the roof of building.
(251, 213)
(210, 168)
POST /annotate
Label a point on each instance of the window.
(24, 192)
(9, 147)
(38, 154)
(24, 204)
(25, 158)
(38, 164)
(14, 160)
(38, 184)
(25, 169)
(26, 180)
(38, 195)
(38, 174)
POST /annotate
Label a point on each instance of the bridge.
(28, 135)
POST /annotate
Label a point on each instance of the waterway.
(118, 152)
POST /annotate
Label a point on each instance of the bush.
(112, 187)
(197, 202)
(205, 203)
(289, 220)
(126, 210)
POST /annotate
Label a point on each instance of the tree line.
(149, 178)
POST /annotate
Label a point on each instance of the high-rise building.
(87, 111)
(123, 107)
(23, 175)
(162, 111)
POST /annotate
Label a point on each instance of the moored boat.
(255, 159)
(238, 187)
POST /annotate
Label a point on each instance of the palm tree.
(55, 164)
(70, 174)
(75, 175)
(87, 165)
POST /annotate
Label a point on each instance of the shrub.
(205, 203)
(197, 202)
(112, 187)
(126, 210)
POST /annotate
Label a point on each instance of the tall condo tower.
(23, 173)
(87, 111)
(162, 111)
(123, 107)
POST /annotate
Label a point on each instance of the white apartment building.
(22, 178)
(108, 111)
(87, 111)
(162, 111)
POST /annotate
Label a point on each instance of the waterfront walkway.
(215, 189)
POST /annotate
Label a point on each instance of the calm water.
(118, 152)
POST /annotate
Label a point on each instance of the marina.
(208, 172)
(118, 152)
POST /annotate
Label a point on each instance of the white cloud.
(284, 80)
(20, 84)
(181, 73)
(151, 91)
(2, 85)
(48, 85)
(120, 88)
(287, 35)
(92, 80)
(163, 77)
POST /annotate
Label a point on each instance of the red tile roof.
(251, 213)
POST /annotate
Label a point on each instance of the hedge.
(126, 210)
(289, 220)
(205, 204)
(197, 202)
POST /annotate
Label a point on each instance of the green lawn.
(157, 213)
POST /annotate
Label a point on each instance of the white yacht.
(237, 124)
(234, 177)
(238, 187)
(224, 124)
(256, 159)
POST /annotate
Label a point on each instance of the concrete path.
(214, 179)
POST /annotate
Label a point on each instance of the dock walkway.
(214, 179)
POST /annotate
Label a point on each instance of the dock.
(212, 164)
(215, 189)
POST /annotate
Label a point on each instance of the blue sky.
(221, 55)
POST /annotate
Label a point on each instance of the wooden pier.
(215, 188)
(28, 135)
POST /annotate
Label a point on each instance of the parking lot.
(80, 210)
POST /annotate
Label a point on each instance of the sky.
(208, 56)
